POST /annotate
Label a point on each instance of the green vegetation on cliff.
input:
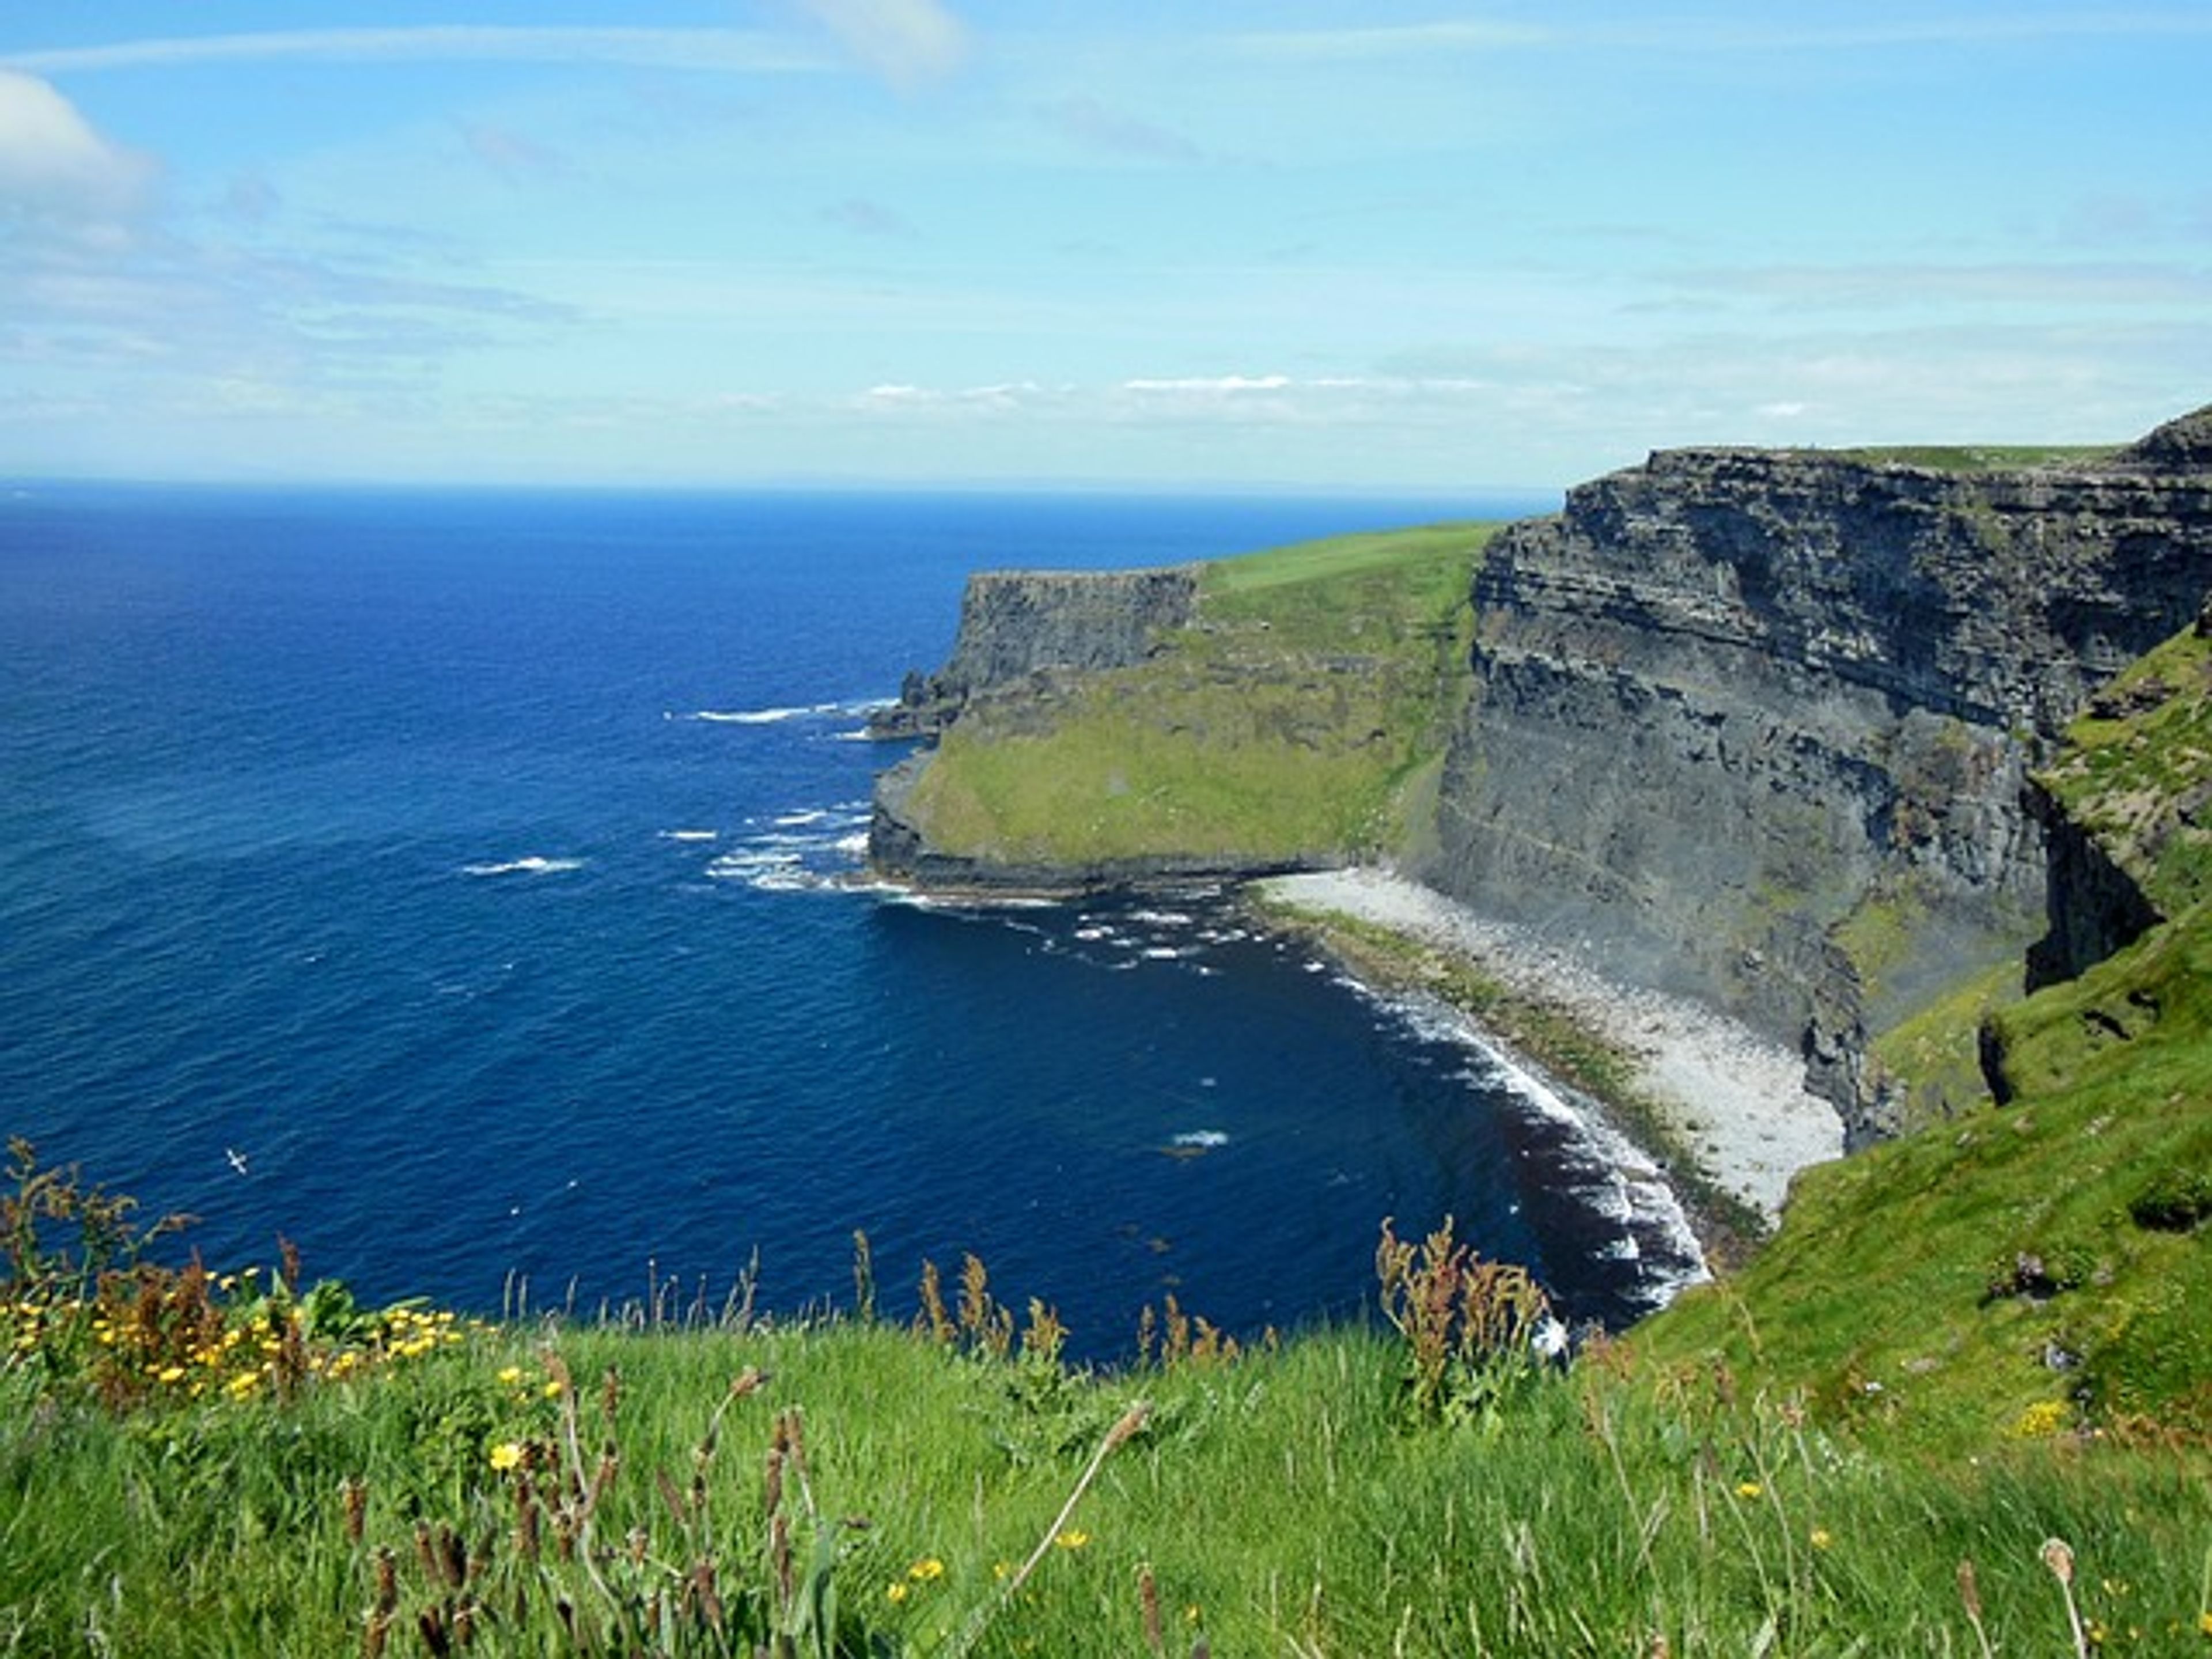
(2047, 1260)
(1293, 719)
(1981, 458)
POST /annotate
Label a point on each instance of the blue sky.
(1325, 244)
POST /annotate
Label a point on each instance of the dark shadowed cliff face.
(1757, 725)
(1017, 624)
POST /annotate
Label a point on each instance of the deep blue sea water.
(464, 863)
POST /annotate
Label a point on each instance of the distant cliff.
(1015, 624)
(1281, 711)
(1758, 725)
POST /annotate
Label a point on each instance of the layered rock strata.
(1019, 626)
(1755, 726)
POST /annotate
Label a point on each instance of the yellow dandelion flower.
(552, 1390)
(2204, 1623)
(243, 1384)
(895, 1592)
(1748, 1489)
(924, 1570)
(1073, 1539)
(509, 1376)
(170, 1374)
(505, 1455)
(1822, 1538)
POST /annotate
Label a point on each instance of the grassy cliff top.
(1288, 721)
(1981, 458)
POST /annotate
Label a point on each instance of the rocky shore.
(1736, 1099)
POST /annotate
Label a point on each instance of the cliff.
(1271, 713)
(1758, 725)
(1019, 625)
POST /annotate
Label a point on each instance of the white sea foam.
(852, 846)
(690, 834)
(800, 819)
(751, 865)
(1202, 1137)
(761, 716)
(532, 866)
(776, 716)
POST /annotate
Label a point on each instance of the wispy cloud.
(1702, 33)
(723, 50)
(907, 42)
(515, 157)
(1090, 125)
(1887, 286)
(866, 218)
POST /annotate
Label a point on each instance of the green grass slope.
(860, 1488)
(1294, 719)
(2045, 1264)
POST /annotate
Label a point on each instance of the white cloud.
(1217, 385)
(53, 165)
(724, 51)
(905, 41)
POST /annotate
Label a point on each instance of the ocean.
(458, 884)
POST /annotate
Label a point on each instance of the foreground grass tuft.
(948, 1486)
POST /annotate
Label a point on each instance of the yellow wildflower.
(895, 1592)
(243, 1384)
(171, 1374)
(2204, 1623)
(927, 1568)
(1748, 1489)
(510, 1375)
(505, 1455)
(1073, 1539)
(1822, 1538)
(552, 1390)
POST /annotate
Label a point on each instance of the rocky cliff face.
(1018, 624)
(1756, 725)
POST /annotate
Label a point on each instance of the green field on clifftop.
(1291, 721)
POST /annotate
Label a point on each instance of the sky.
(1314, 245)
